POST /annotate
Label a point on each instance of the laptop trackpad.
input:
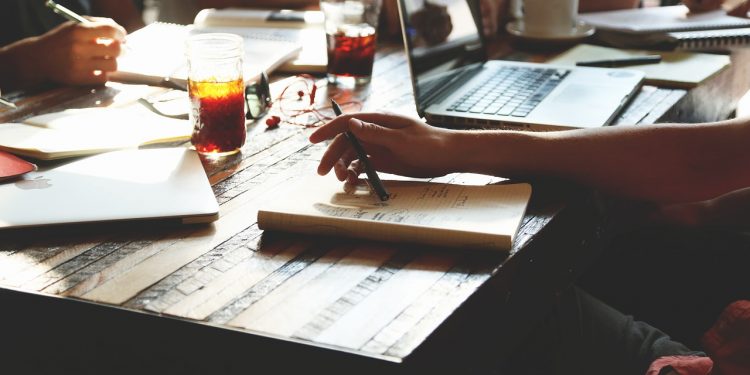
(564, 107)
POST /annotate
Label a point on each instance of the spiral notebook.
(156, 54)
(711, 39)
(662, 20)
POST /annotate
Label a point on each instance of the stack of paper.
(157, 52)
(677, 69)
(301, 27)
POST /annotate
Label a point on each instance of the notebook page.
(448, 214)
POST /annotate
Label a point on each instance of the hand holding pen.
(373, 180)
(78, 53)
(395, 144)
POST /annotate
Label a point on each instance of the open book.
(467, 216)
(155, 54)
(301, 27)
(78, 132)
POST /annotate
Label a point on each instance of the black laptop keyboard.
(512, 91)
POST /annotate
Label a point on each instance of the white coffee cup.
(548, 17)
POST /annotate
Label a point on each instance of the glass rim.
(214, 46)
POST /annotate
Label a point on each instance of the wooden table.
(228, 298)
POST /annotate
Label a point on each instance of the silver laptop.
(455, 85)
(167, 183)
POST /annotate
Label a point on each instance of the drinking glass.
(351, 34)
(217, 93)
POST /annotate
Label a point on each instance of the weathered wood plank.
(228, 285)
(300, 298)
(247, 239)
(259, 290)
(22, 266)
(368, 317)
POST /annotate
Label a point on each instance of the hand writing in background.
(736, 8)
(71, 53)
(80, 54)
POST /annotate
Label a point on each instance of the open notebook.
(466, 216)
(301, 27)
(157, 52)
(78, 132)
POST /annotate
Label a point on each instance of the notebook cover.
(12, 166)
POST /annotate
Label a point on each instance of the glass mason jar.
(216, 89)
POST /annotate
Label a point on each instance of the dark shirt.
(21, 19)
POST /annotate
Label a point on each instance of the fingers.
(109, 50)
(371, 133)
(102, 28)
(332, 155)
(741, 10)
(341, 124)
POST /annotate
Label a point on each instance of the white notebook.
(661, 19)
(301, 27)
(465, 216)
(157, 51)
(78, 132)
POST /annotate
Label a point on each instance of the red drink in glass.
(351, 52)
(218, 116)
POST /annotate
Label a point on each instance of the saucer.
(581, 31)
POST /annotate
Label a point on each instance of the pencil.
(65, 12)
(373, 179)
(626, 61)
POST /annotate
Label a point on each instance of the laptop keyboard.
(511, 91)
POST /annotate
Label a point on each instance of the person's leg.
(676, 279)
(585, 336)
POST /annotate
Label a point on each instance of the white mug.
(548, 17)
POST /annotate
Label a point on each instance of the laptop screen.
(442, 41)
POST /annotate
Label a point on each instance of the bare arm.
(658, 163)
(75, 54)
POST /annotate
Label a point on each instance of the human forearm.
(19, 65)
(660, 163)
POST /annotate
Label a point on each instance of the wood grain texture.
(362, 297)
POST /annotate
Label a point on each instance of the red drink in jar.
(351, 52)
(218, 116)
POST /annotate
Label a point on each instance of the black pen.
(626, 61)
(373, 180)
(65, 12)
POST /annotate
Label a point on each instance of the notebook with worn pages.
(440, 214)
